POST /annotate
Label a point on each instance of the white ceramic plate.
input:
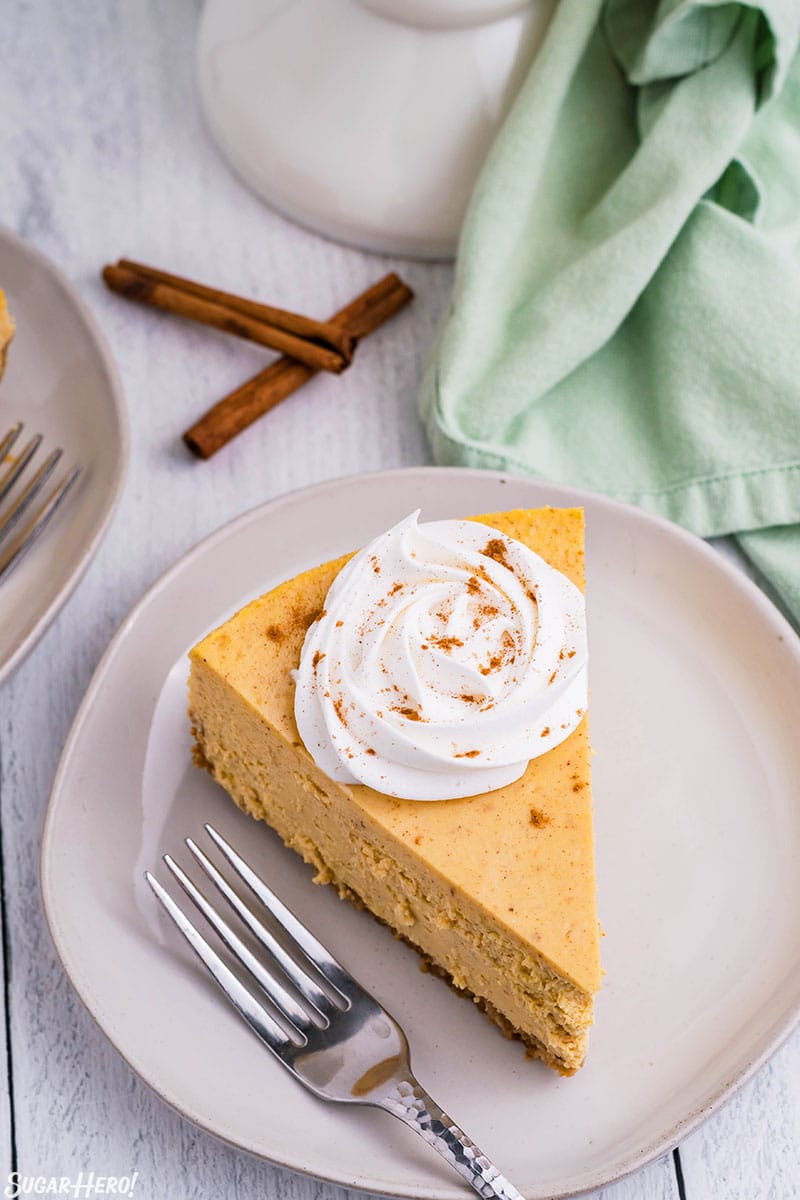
(60, 380)
(695, 679)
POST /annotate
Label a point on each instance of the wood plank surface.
(104, 154)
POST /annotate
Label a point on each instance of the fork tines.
(317, 980)
(22, 500)
(318, 1021)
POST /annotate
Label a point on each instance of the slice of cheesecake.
(496, 891)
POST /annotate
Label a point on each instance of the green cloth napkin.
(626, 310)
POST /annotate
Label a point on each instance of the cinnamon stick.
(307, 341)
(325, 332)
(236, 411)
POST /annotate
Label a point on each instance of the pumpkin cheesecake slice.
(380, 712)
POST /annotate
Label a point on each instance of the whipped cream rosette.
(447, 656)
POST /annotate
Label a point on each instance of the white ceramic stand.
(366, 120)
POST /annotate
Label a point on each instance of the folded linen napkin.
(626, 310)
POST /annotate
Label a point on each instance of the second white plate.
(694, 684)
(62, 383)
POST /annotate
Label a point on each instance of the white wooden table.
(104, 154)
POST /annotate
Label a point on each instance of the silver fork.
(22, 501)
(318, 1021)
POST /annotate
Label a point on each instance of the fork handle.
(412, 1104)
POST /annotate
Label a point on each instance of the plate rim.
(769, 1042)
(116, 392)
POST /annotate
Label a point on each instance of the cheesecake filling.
(447, 656)
(517, 987)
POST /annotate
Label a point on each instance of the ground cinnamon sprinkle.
(396, 588)
(538, 819)
(410, 713)
(468, 754)
(496, 549)
(473, 585)
(338, 708)
(318, 655)
(339, 624)
(300, 620)
(371, 751)
(274, 633)
(545, 732)
(497, 660)
(484, 612)
(552, 677)
(447, 643)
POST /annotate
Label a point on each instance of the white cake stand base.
(363, 126)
